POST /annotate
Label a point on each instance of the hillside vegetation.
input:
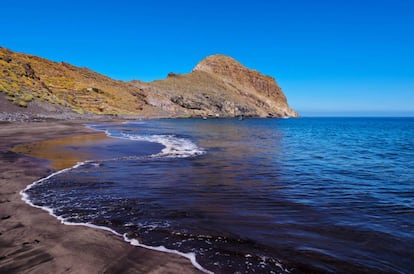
(24, 78)
(218, 86)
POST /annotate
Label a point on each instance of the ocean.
(308, 195)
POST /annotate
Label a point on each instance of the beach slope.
(33, 241)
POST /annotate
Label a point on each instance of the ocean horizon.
(320, 195)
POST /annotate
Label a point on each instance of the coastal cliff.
(218, 86)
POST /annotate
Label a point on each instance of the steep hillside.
(24, 78)
(218, 86)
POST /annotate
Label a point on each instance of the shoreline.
(31, 240)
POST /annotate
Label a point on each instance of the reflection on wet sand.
(68, 151)
(65, 152)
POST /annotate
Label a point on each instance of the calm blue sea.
(309, 195)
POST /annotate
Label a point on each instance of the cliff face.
(260, 92)
(218, 86)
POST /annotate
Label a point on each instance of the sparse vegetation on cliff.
(219, 86)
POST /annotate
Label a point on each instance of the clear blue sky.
(330, 57)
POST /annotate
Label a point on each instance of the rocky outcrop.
(218, 86)
(30, 73)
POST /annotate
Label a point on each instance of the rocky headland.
(219, 86)
(66, 97)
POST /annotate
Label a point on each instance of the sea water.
(253, 196)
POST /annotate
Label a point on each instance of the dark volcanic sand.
(33, 241)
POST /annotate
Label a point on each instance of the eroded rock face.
(221, 86)
(218, 86)
(248, 82)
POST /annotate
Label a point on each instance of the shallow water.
(258, 195)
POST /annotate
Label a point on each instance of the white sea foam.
(191, 256)
(175, 147)
(134, 122)
(134, 242)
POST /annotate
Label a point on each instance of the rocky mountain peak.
(233, 72)
(219, 64)
(247, 82)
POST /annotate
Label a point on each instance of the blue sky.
(330, 57)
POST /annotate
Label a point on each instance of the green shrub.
(22, 104)
(27, 98)
(80, 111)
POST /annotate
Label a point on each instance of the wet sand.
(32, 241)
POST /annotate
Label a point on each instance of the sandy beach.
(32, 241)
